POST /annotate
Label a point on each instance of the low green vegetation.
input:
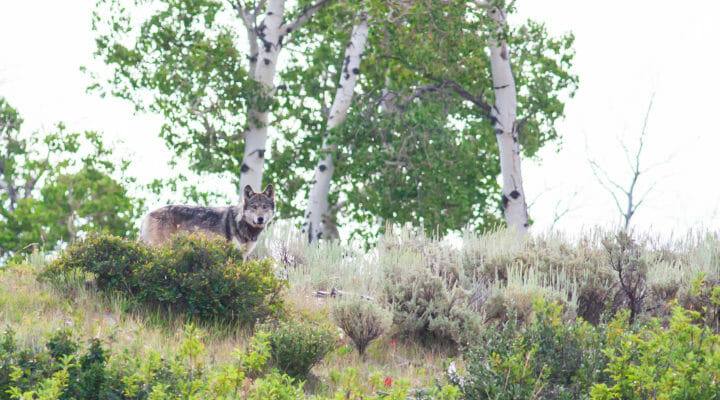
(607, 316)
(191, 274)
(296, 346)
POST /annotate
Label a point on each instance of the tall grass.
(493, 264)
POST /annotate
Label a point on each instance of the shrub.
(429, 303)
(679, 362)
(626, 259)
(192, 274)
(592, 299)
(550, 359)
(362, 320)
(277, 386)
(54, 371)
(206, 278)
(111, 259)
(703, 296)
(296, 346)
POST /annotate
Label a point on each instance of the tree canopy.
(418, 144)
(57, 186)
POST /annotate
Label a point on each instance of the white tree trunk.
(316, 213)
(505, 113)
(265, 44)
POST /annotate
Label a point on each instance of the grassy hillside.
(446, 297)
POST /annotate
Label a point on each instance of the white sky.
(626, 50)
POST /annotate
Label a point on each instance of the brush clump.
(362, 320)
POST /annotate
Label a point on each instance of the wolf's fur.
(239, 224)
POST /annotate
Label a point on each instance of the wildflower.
(387, 382)
(393, 342)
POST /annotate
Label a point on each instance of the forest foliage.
(418, 144)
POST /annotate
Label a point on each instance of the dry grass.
(35, 309)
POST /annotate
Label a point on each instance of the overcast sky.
(625, 52)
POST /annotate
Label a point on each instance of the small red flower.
(393, 342)
(387, 382)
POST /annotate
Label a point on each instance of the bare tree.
(626, 198)
(562, 207)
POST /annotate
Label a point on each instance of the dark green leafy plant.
(296, 346)
(550, 359)
(111, 259)
(192, 274)
(678, 362)
(207, 278)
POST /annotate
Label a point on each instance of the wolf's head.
(258, 208)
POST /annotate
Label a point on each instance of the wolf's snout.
(260, 220)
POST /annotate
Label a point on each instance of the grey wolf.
(240, 224)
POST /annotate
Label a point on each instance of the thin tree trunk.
(263, 60)
(504, 112)
(266, 41)
(316, 214)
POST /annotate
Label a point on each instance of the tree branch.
(306, 14)
(250, 22)
(259, 7)
(419, 92)
(595, 168)
(459, 89)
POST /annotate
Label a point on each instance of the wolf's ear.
(269, 191)
(248, 191)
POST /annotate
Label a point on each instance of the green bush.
(276, 386)
(29, 373)
(59, 370)
(207, 278)
(703, 296)
(296, 346)
(681, 361)
(550, 359)
(192, 274)
(111, 259)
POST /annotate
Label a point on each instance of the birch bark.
(265, 44)
(266, 41)
(504, 112)
(316, 214)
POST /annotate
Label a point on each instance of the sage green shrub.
(362, 320)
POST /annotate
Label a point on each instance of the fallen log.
(334, 292)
